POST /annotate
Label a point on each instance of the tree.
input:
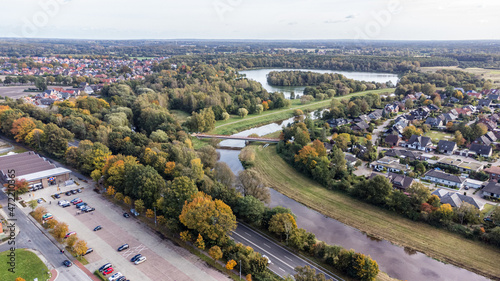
(119, 196)
(259, 108)
(250, 209)
(208, 156)
(41, 84)
(302, 136)
(375, 190)
(459, 139)
(467, 213)
(200, 243)
(71, 241)
(215, 252)
(51, 223)
(410, 131)
(197, 172)
(419, 192)
(249, 276)
(20, 279)
(81, 247)
(39, 212)
(224, 174)
(306, 273)
(186, 236)
(282, 224)
(61, 230)
(169, 167)
(495, 215)
(319, 147)
(444, 213)
(139, 205)
(250, 183)
(230, 264)
(111, 191)
(127, 200)
(150, 213)
(242, 112)
(211, 218)
(34, 138)
(22, 127)
(33, 204)
(366, 268)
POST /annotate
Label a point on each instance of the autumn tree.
(365, 267)
(111, 191)
(459, 139)
(22, 127)
(39, 212)
(250, 183)
(282, 224)
(200, 243)
(224, 174)
(319, 147)
(139, 205)
(127, 200)
(34, 138)
(169, 168)
(197, 172)
(211, 218)
(71, 241)
(444, 213)
(51, 223)
(119, 196)
(150, 213)
(60, 230)
(230, 264)
(215, 252)
(81, 247)
(410, 131)
(20, 279)
(306, 273)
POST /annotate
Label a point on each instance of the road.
(31, 237)
(283, 262)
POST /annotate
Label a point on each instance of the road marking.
(247, 234)
(267, 245)
(288, 258)
(281, 268)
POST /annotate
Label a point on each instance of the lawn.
(236, 124)
(376, 222)
(436, 136)
(27, 266)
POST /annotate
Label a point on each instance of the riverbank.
(236, 124)
(376, 222)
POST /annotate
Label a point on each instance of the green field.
(27, 266)
(376, 222)
(436, 136)
(492, 74)
(236, 124)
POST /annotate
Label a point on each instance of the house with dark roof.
(419, 114)
(434, 122)
(412, 155)
(492, 189)
(446, 147)
(375, 115)
(486, 139)
(481, 150)
(444, 178)
(433, 107)
(400, 182)
(456, 199)
(337, 122)
(392, 140)
(419, 143)
(484, 103)
(362, 118)
(492, 125)
(350, 159)
(360, 126)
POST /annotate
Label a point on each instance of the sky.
(251, 19)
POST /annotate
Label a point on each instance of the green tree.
(33, 204)
(419, 192)
(282, 224)
(467, 213)
(250, 209)
(139, 205)
(306, 273)
(242, 112)
(374, 190)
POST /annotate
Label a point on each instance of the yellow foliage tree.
(249, 277)
(150, 214)
(127, 200)
(169, 167)
(215, 252)
(197, 169)
(81, 247)
(22, 127)
(186, 236)
(60, 230)
(319, 147)
(34, 138)
(200, 243)
(230, 264)
(20, 279)
(282, 223)
(111, 191)
(305, 154)
(52, 223)
(119, 196)
(71, 241)
(38, 213)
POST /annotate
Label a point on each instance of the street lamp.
(155, 215)
(240, 269)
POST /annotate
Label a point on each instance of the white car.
(115, 276)
(140, 260)
(268, 260)
(63, 202)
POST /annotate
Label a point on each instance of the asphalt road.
(283, 262)
(31, 237)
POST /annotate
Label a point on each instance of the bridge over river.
(233, 137)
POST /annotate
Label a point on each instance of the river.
(260, 75)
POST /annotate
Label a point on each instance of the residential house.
(463, 111)
(419, 143)
(375, 115)
(470, 107)
(433, 107)
(391, 108)
(491, 125)
(337, 122)
(473, 183)
(481, 150)
(362, 118)
(399, 181)
(455, 199)
(486, 139)
(493, 97)
(493, 172)
(392, 140)
(434, 122)
(475, 95)
(350, 159)
(448, 117)
(410, 154)
(462, 166)
(360, 126)
(492, 189)
(484, 103)
(446, 147)
(390, 164)
(444, 178)
(419, 114)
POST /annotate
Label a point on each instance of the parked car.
(57, 196)
(126, 215)
(80, 205)
(76, 201)
(103, 267)
(140, 260)
(88, 209)
(62, 202)
(107, 271)
(79, 190)
(66, 205)
(39, 201)
(68, 193)
(89, 250)
(46, 215)
(123, 247)
(97, 228)
(123, 278)
(134, 258)
(67, 263)
(69, 234)
(115, 276)
(134, 212)
(73, 191)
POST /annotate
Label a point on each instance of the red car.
(107, 271)
(77, 201)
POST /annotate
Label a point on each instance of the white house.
(444, 178)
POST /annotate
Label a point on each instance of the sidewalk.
(86, 271)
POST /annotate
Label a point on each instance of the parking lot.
(165, 261)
